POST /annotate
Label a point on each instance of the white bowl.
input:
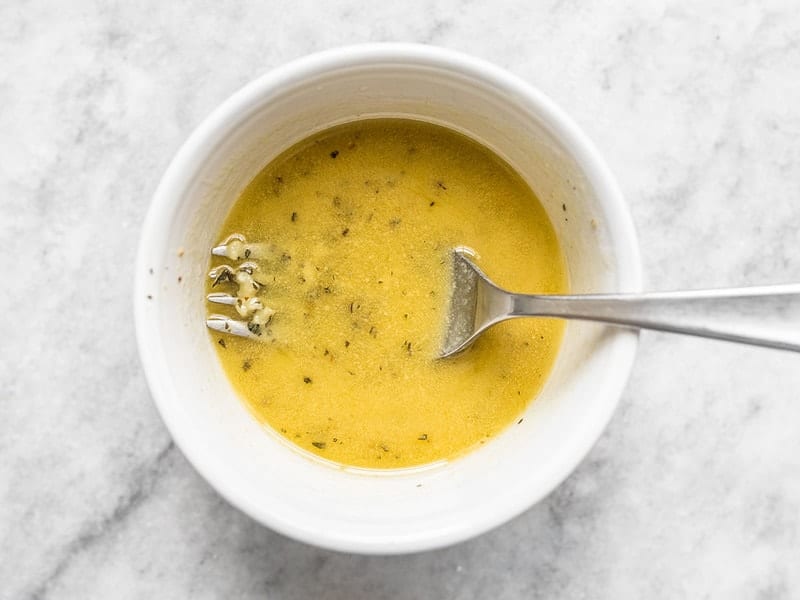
(396, 511)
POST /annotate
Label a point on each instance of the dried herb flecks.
(246, 365)
(221, 342)
(320, 445)
(224, 275)
(294, 217)
(307, 380)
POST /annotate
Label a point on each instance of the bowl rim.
(154, 228)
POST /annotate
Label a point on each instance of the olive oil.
(354, 228)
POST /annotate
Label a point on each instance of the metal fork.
(762, 316)
(235, 247)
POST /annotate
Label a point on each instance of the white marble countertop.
(693, 491)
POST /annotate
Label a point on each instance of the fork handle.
(763, 316)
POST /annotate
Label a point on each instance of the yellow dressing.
(354, 228)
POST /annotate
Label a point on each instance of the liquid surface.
(352, 232)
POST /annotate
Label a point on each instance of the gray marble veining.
(694, 490)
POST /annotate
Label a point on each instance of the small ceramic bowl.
(394, 511)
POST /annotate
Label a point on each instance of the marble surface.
(693, 491)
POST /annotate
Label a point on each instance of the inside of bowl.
(400, 510)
